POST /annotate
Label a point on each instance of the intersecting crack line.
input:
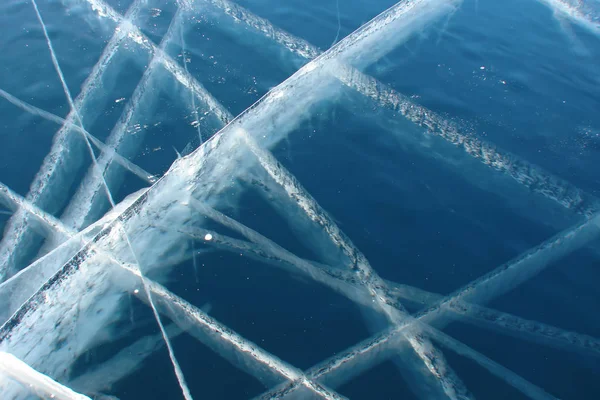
(159, 56)
(168, 62)
(76, 212)
(345, 283)
(17, 233)
(103, 377)
(17, 227)
(90, 244)
(367, 277)
(154, 288)
(264, 250)
(123, 161)
(240, 344)
(185, 61)
(271, 361)
(504, 162)
(138, 269)
(507, 323)
(496, 162)
(271, 253)
(81, 203)
(489, 286)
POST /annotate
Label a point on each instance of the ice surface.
(101, 250)
(37, 383)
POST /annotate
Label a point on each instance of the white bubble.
(208, 237)
(136, 291)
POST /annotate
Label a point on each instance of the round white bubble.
(208, 237)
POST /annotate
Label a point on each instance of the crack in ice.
(178, 372)
(37, 382)
(124, 162)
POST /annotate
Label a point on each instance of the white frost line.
(516, 381)
(275, 255)
(70, 100)
(287, 102)
(35, 381)
(268, 248)
(242, 345)
(77, 212)
(484, 362)
(291, 42)
(123, 364)
(16, 290)
(199, 316)
(171, 65)
(18, 233)
(23, 204)
(510, 275)
(529, 175)
(196, 87)
(510, 324)
(497, 282)
(306, 203)
(178, 372)
(192, 96)
(124, 162)
(395, 313)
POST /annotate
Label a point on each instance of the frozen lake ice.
(300, 199)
